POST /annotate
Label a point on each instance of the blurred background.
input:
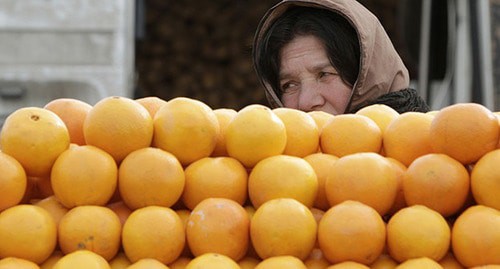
(89, 49)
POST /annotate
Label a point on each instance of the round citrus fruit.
(254, 134)
(284, 261)
(82, 259)
(321, 163)
(17, 263)
(320, 117)
(283, 226)
(187, 128)
(348, 265)
(418, 263)
(218, 225)
(13, 181)
(151, 103)
(224, 116)
(35, 137)
(147, 263)
(54, 207)
(302, 133)
(73, 113)
(212, 261)
(381, 114)
(282, 176)
(485, 183)
(351, 231)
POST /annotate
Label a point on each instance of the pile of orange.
(150, 183)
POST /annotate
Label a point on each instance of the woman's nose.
(310, 98)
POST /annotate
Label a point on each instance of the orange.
(285, 261)
(407, 137)
(187, 128)
(13, 181)
(147, 263)
(120, 261)
(400, 201)
(464, 131)
(159, 181)
(224, 116)
(184, 215)
(27, 232)
(248, 262)
(52, 260)
(73, 113)
(350, 133)
(476, 236)
(34, 137)
(419, 263)
(438, 182)
(320, 117)
(254, 134)
(95, 228)
(153, 232)
(17, 263)
(450, 262)
(54, 207)
(381, 114)
(302, 133)
(218, 225)
(121, 210)
(485, 183)
(348, 265)
(283, 226)
(321, 163)
(84, 175)
(366, 177)
(151, 103)
(180, 263)
(82, 259)
(215, 177)
(351, 231)
(212, 261)
(316, 260)
(489, 266)
(417, 231)
(384, 261)
(282, 176)
(118, 125)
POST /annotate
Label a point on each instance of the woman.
(330, 55)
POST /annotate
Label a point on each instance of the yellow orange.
(27, 232)
(73, 113)
(476, 236)
(417, 231)
(366, 177)
(17, 263)
(180, 263)
(215, 177)
(254, 134)
(118, 125)
(151, 103)
(350, 133)
(381, 114)
(302, 133)
(95, 228)
(321, 163)
(13, 181)
(121, 210)
(52, 260)
(464, 131)
(35, 137)
(400, 201)
(84, 175)
(218, 225)
(316, 260)
(153, 232)
(82, 259)
(147, 263)
(284, 261)
(282, 176)
(224, 116)
(348, 265)
(384, 261)
(407, 137)
(212, 261)
(320, 117)
(450, 262)
(159, 181)
(351, 231)
(438, 182)
(248, 262)
(187, 128)
(283, 226)
(419, 263)
(120, 261)
(485, 185)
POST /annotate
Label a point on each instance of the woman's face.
(307, 79)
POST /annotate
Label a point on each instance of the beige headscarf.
(381, 69)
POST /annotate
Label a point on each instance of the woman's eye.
(286, 87)
(324, 74)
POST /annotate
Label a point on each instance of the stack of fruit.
(149, 183)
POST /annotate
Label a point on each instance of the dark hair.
(338, 36)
